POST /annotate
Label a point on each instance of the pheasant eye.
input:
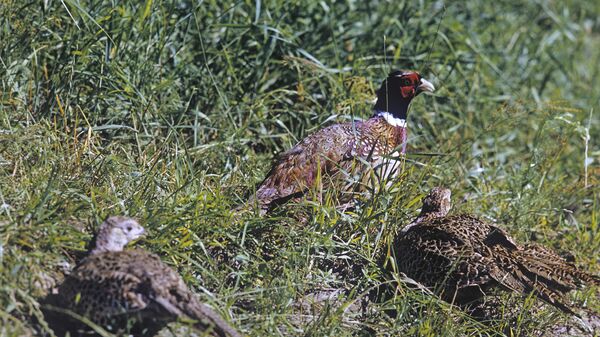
(405, 82)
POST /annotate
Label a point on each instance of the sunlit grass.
(172, 112)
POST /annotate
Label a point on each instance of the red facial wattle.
(408, 88)
(408, 91)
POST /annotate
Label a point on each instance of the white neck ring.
(393, 121)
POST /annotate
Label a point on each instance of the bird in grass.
(126, 291)
(463, 258)
(338, 153)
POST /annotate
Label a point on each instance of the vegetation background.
(172, 111)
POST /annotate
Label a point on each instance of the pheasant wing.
(296, 170)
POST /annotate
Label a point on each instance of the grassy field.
(172, 111)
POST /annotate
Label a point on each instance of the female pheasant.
(463, 257)
(346, 154)
(127, 290)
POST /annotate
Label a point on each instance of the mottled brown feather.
(332, 153)
(462, 257)
(131, 291)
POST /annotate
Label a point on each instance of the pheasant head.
(115, 233)
(436, 203)
(396, 93)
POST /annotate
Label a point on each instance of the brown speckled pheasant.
(127, 290)
(462, 257)
(338, 153)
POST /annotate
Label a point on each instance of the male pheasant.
(126, 290)
(462, 258)
(338, 153)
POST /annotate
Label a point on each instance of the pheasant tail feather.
(208, 318)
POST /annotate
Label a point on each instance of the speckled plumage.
(130, 291)
(331, 153)
(462, 257)
(344, 155)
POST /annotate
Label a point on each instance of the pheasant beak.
(425, 86)
(139, 236)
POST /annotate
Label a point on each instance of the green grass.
(172, 111)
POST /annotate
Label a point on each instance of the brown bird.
(462, 258)
(346, 154)
(127, 290)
